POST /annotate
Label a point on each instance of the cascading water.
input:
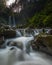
(18, 34)
(10, 21)
(14, 55)
(5, 55)
(36, 33)
(25, 41)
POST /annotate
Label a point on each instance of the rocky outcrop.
(43, 44)
(7, 32)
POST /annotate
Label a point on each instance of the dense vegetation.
(44, 17)
(36, 13)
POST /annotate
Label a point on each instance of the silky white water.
(12, 55)
(35, 58)
(18, 33)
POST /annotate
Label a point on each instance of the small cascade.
(14, 55)
(36, 32)
(24, 32)
(25, 41)
(18, 33)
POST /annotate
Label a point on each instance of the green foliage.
(43, 18)
(48, 21)
(2, 5)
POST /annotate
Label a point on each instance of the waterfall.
(10, 20)
(14, 25)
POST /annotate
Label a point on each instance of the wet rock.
(43, 30)
(9, 33)
(43, 44)
(1, 32)
(12, 48)
(7, 27)
(2, 43)
(50, 32)
(35, 46)
(16, 44)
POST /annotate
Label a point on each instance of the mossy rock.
(45, 40)
(43, 44)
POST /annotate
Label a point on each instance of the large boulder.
(43, 43)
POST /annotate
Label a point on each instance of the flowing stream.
(14, 55)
